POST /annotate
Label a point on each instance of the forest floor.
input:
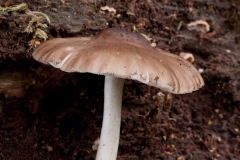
(46, 113)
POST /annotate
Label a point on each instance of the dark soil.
(49, 114)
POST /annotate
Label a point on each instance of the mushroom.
(119, 55)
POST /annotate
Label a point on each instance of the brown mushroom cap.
(122, 54)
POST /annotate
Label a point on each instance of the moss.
(34, 25)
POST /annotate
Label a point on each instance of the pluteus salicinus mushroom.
(119, 55)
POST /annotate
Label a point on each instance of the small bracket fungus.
(199, 25)
(188, 56)
(119, 55)
(109, 9)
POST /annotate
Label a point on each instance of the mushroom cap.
(122, 54)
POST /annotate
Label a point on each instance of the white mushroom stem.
(109, 139)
